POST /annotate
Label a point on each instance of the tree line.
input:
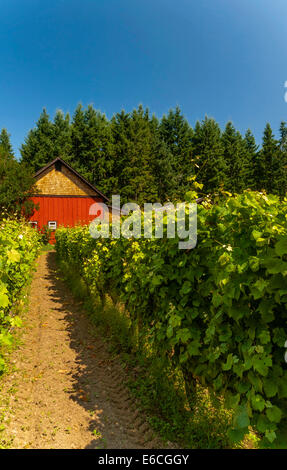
(144, 158)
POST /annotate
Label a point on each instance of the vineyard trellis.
(218, 311)
(19, 246)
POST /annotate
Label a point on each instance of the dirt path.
(67, 390)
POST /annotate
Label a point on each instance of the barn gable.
(63, 197)
(59, 179)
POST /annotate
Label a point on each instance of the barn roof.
(58, 159)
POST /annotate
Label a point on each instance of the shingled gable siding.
(62, 183)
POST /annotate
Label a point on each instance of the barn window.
(33, 224)
(52, 224)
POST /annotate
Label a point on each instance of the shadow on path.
(97, 378)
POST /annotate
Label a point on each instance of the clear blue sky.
(223, 58)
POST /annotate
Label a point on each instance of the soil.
(66, 389)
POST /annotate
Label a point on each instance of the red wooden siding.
(65, 210)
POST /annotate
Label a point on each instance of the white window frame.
(33, 223)
(52, 224)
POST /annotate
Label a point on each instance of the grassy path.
(67, 391)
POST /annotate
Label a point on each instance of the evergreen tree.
(16, 184)
(77, 140)
(135, 145)
(177, 134)
(280, 176)
(92, 147)
(235, 155)
(39, 146)
(120, 127)
(163, 165)
(269, 162)
(252, 171)
(283, 137)
(98, 153)
(5, 145)
(209, 155)
(62, 136)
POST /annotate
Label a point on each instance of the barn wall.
(66, 211)
(63, 197)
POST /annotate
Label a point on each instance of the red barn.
(63, 197)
